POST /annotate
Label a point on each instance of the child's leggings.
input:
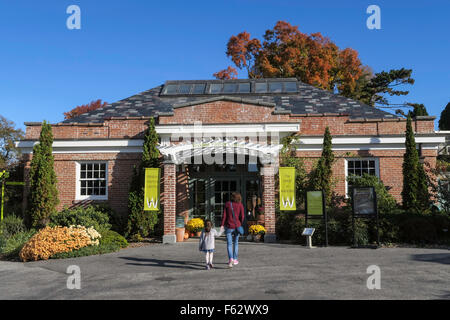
(209, 257)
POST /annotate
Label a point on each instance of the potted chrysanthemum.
(195, 226)
(257, 231)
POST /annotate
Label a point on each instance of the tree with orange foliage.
(226, 74)
(287, 52)
(75, 112)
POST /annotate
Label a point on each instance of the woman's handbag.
(240, 229)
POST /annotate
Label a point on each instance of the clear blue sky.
(125, 47)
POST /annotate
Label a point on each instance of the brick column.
(170, 202)
(268, 183)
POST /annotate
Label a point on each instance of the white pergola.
(180, 153)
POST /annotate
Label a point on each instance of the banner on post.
(287, 188)
(151, 190)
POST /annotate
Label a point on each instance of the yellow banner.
(287, 188)
(151, 190)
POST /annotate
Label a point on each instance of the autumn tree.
(284, 51)
(75, 112)
(287, 52)
(43, 195)
(8, 135)
(226, 74)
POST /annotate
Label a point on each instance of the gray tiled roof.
(308, 100)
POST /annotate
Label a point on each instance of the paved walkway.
(266, 271)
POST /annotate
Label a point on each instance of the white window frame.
(377, 169)
(78, 195)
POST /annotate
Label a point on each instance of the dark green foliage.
(112, 237)
(415, 194)
(87, 251)
(397, 227)
(142, 222)
(91, 216)
(284, 225)
(419, 110)
(43, 195)
(444, 120)
(11, 225)
(386, 202)
(373, 91)
(10, 245)
(322, 174)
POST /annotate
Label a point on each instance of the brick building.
(95, 152)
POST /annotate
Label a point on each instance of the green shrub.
(91, 216)
(284, 225)
(88, 251)
(386, 202)
(118, 221)
(11, 225)
(112, 237)
(11, 246)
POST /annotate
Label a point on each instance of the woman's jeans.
(232, 243)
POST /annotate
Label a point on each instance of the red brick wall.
(120, 169)
(170, 204)
(223, 112)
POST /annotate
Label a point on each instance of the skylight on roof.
(215, 88)
(244, 87)
(229, 87)
(170, 89)
(275, 87)
(199, 88)
(260, 87)
(290, 86)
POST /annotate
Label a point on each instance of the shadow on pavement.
(443, 258)
(166, 263)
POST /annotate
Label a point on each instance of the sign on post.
(315, 208)
(314, 203)
(151, 190)
(364, 200)
(287, 189)
(364, 205)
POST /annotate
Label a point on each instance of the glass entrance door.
(209, 195)
(222, 189)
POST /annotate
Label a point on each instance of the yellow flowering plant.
(52, 240)
(257, 229)
(195, 225)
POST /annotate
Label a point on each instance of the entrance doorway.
(210, 187)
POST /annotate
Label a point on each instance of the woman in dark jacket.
(233, 226)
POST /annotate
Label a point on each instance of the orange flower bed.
(50, 241)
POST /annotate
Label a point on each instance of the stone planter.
(257, 237)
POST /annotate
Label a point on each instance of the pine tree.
(43, 195)
(444, 120)
(322, 174)
(415, 194)
(140, 222)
